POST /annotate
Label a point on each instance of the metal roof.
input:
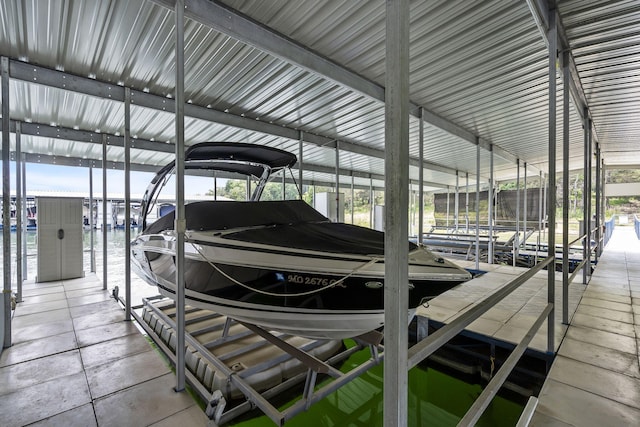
(479, 70)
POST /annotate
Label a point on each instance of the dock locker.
(59, 238)
(330, 205)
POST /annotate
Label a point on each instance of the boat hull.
(315, 295)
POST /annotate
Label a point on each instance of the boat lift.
(230, 388)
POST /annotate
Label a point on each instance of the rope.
(299, 294)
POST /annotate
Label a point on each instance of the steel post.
(396, 291)
(104, 211)
(180, 221)
(525, 207)
(420, 177)
(337, 153)
(598, 207)
(300, 157)
(516, 241)
(551, 211)
(466, 203)
(6, 201)
(478, 206)
(371, 202)
(21, 223)
(456, 205)
(565, 188)
(353, 196)
(24, 230)
(448, 204)
(588, 181)
(92, 251)
(490, 207)
(127, 203)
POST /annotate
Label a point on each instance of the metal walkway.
(595, 378)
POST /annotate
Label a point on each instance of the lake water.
(115, 262)
(435, 398)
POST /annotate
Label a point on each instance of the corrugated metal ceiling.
(605, 40)
(482, 66)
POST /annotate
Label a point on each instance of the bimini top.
(246, 159)
(272, 157)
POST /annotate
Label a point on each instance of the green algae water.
(435, 399)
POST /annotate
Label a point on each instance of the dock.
(509, 320)
(595, 378)
(76, 361)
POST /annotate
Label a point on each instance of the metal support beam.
(456, 205)
(598, 204)
(371, 202)
(478, 207)
(104, 212)
(21, 223)
(540, 211)
(396, 291)
(180, 221)
(587, 200)
(466, 204)
(337, 151)
(300, 160)
(127, 203)
(23, 167)
(353, 197)
(222, 18)
(92, 225)
(490, 208)
(516, 241)
(525, 207)
(603, 197)
(105, 90)
(553, 53)
(448, 209)
(6, 202)
(541, 11)
(565, 191)
(420, 177)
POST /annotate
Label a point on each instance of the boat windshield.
(212, 165)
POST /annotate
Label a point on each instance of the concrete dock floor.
(595, 378)
(76, 362)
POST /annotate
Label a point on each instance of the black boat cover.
(223, 215)
(289, 223)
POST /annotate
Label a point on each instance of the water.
(115, 262)
(435, 398)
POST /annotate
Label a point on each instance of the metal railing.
(608, 229)
(429, 345)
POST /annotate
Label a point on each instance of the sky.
(41, 177)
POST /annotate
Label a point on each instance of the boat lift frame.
(216, 404)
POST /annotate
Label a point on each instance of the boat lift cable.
(299, 294)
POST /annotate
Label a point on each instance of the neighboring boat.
(277, 264)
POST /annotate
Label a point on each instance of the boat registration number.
(310, 280)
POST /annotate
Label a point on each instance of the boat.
(280, 265)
